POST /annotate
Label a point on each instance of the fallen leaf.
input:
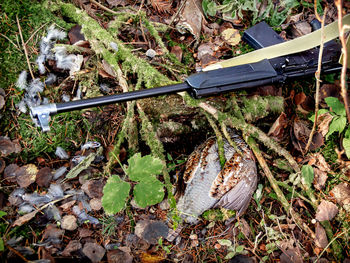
(177, 51)
(72, 246)
(278, 128)
(320, 178)
(191, 18)
(107, 71)
(94, 252)
(329, 90)
(23, 219)
(321, 239)
(93, 188)
(291, 255)
(341, 193)
(51, 231)
(121, 254)
(44, 177)
(299, 98)
(245, 228)
(301, 28)
(10, 173)
(300, 134)
(149, 258)
(84, 232)
(115, 3)
(326, 211)
(26, 175)
(231, 36)
(7, 146)
(96, 204)
(68, 205)
(323, 122)
(151, 231)
(75, 35)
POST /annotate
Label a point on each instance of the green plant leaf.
(347, 133)
(239, 249)
(149, 191)
(2, 213)
(209, 7)
(307, 173)
(2, 247)
(320, 112)
(337, 125)
(225, 242)
(115, 192)
(346, 145)
(230, 255)
(336, 105)
(141, 168)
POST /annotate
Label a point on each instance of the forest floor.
(83, 191)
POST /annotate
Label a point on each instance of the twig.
(287, 207)
(341, 28)
(103, 7)
(318, 82)
(17, 253)
(177, 12)
(24, 47)
(325, 249)
(35, 33)
(10, 41)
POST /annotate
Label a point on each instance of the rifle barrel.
(120, 97)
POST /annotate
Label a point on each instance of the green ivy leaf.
(2, 213)
(239, 249)
(141, 168)
(149, 191)
(307, 173)
(320, 112)
(337, 125)
(115, 193)
(346, 145)
(336, 105)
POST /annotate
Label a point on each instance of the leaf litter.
(80, 202)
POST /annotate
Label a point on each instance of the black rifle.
(208, 83)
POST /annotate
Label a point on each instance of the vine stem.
(287, 207)
(339, 4)
(318, 82)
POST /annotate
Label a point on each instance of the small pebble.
(69, 222)
(151, 53)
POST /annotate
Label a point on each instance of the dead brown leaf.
(7, 146)
(278, 128)
(177, 51)
(10, 173)
(115, 3)
(75, 34)
(323, 123)
(329, 90)
(24, 219)
(122, 254)
(26, 175)
(326, 211)
(94, 251)
(301, 28)
(72, 246)
(93, 188)
(300, 134)
(291, 255)
(191, 18)
(341, 192)
(106, 70)
(321, 239)
(320, 178)
(151, 231)
(44, 177)
(299, 98)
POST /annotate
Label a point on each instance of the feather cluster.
(210, 186)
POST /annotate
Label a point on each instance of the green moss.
(328, 150)
(66, 128)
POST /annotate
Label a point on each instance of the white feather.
(22, 80)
